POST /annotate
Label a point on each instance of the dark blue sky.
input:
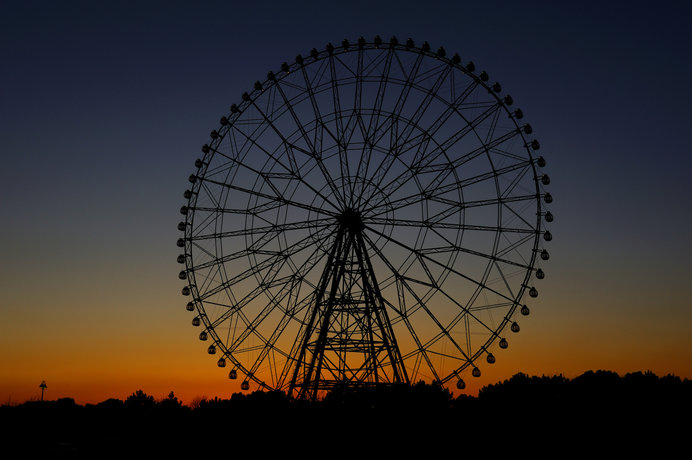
(106, 104)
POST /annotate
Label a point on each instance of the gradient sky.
(105, 105)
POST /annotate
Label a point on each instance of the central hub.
(351, 220)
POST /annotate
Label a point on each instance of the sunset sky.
(105, 105)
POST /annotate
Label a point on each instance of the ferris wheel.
(370, 213)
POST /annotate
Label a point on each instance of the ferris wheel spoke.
(268, 263)
(419, 301)
(420, 349)
(339, 122)
(373, 143)
(293, 360)
(375, 114)
(513, 247)
(209, 194)
(401, 100)
(289, 149)
(428, 223)
(441, 354)
(272, 198)
(442, 189)
(271, 346)
(273, 228)
(290, 146)
(251, 326)
(496, 257)
(467, 313)
(429, 96)
(456, 206)
(521, 218)
(274, 302)
(323, 127)
(490, 306)
(235, 157)
(494, 174)
(516, 181)
(266, 178)
(457, 105)
(509, 155)
(312, 148)
(418, 253)
(381, 91)
(493, 125)
(403, 314)
(504, 279)
(238, 304)
(357, 104)
(303, 304)
(399, 277)
(255, 247)
(408, 83)
(417, 167)
(407, 142)
(411, 125)
(379, 141)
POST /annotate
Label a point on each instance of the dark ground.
(594, 414)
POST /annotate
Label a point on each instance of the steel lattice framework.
(372, 213)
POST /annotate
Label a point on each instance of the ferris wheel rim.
(274, 79)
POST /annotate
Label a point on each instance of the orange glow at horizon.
(183, 366)
(109, 341)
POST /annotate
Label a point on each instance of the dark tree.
(170, 403)
(140, 400)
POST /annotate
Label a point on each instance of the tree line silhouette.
(593, 406)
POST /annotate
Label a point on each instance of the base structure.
(347, 340)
